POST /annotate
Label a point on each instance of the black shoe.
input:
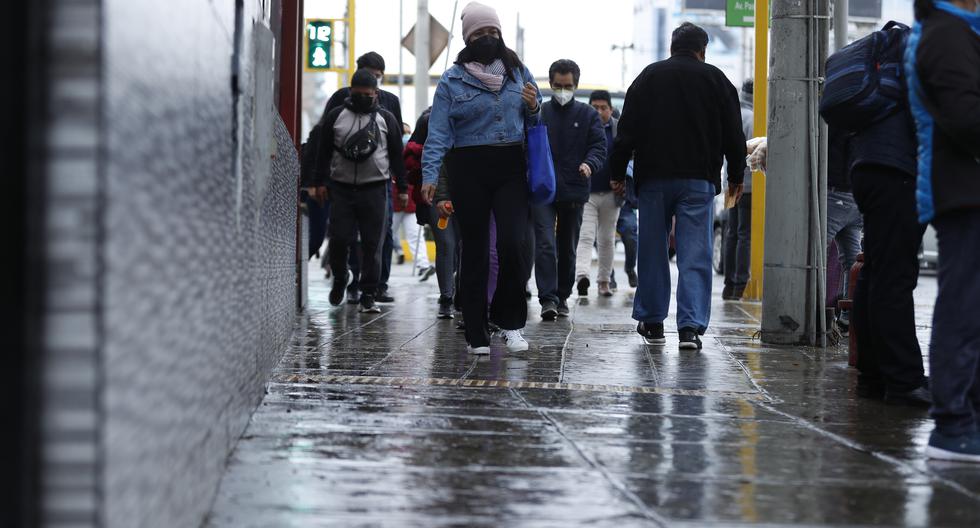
(726, 293)
(353, 296)
(384, 297)
(427, 272)
(460, 324)
(738, 293)
(549, 311)
(401, 259)
(563, 308)
(689, 339)
(653, 333)
(368, 306)
(871, 388)
(583, 287)
(631, 276)
(337, 291)
(445, 308)
(920, 397)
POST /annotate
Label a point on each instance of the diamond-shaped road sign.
(438, 40)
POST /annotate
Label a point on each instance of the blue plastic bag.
(540, 166)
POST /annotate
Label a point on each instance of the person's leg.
(387, 247)
(569, 226)
(494, 260)
(729, 248)
(445, 240)
(954, 353)
(893, 235)
(867, 361)
(372, 220)
(545, 252)
(627, 228)
(397, 222)
(510, 205)
(694, 215)
(652, 299)
(587, 237)
(468, 189)
(606, 235)
(341, 233)
(743, 253)
(354, 261)
(849, 245)
(417, 243)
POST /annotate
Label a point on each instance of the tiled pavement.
(384, 420)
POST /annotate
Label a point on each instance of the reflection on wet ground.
(384, 420)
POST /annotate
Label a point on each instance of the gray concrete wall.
(173, 242)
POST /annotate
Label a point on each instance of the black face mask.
(485, 49)
(362, 103)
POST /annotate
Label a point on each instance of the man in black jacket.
(680, 118)
(943, 66)
(360, 154)
(375, 64)
(578, 148)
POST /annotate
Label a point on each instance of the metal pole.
(401, 49)
(350, 40)
(760, 102)
(840, 23)
(422, 58)
(787, 241)
(452, 27)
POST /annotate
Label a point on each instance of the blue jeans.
(691, 202)
(626, 227)
(844, 224)
(556, 230)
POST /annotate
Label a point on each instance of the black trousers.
(737, 246)
(361, 209)
(484, 180)
(884, 311)
(954, 355)
(556, 230)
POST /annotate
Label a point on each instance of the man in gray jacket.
(360, 151)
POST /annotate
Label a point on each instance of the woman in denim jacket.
(482, 107)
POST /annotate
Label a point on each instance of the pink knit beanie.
(478, 16)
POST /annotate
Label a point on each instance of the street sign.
(740, 13)
(438, 40)
(319, 44)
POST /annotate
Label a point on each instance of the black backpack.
(865, 80)
(309, 153)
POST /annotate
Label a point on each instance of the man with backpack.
(943, 64)
(373, 63)
(360, 151)
(882, 164)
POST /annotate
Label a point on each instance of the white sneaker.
(478, 351)
(513, 340)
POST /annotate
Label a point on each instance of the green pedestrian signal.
(319, 43)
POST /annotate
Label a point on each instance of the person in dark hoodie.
(373, 63)
(578, 148)
(360, 152)
(943, 71)
(681, 118)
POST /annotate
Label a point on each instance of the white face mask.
(564, 96)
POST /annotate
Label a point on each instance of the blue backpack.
(865, 80)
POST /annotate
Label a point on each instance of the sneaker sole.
(479, 351)
(936, 453)
(564, 314)
(655, 341)
(689, 346)
(518, 348)
(371, 311)
(444, 316)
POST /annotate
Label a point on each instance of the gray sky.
(571, 29)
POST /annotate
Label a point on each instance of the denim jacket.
(465, 113)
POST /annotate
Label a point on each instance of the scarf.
(492, 75)
(970, 18)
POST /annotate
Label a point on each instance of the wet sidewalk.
(385, 420)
